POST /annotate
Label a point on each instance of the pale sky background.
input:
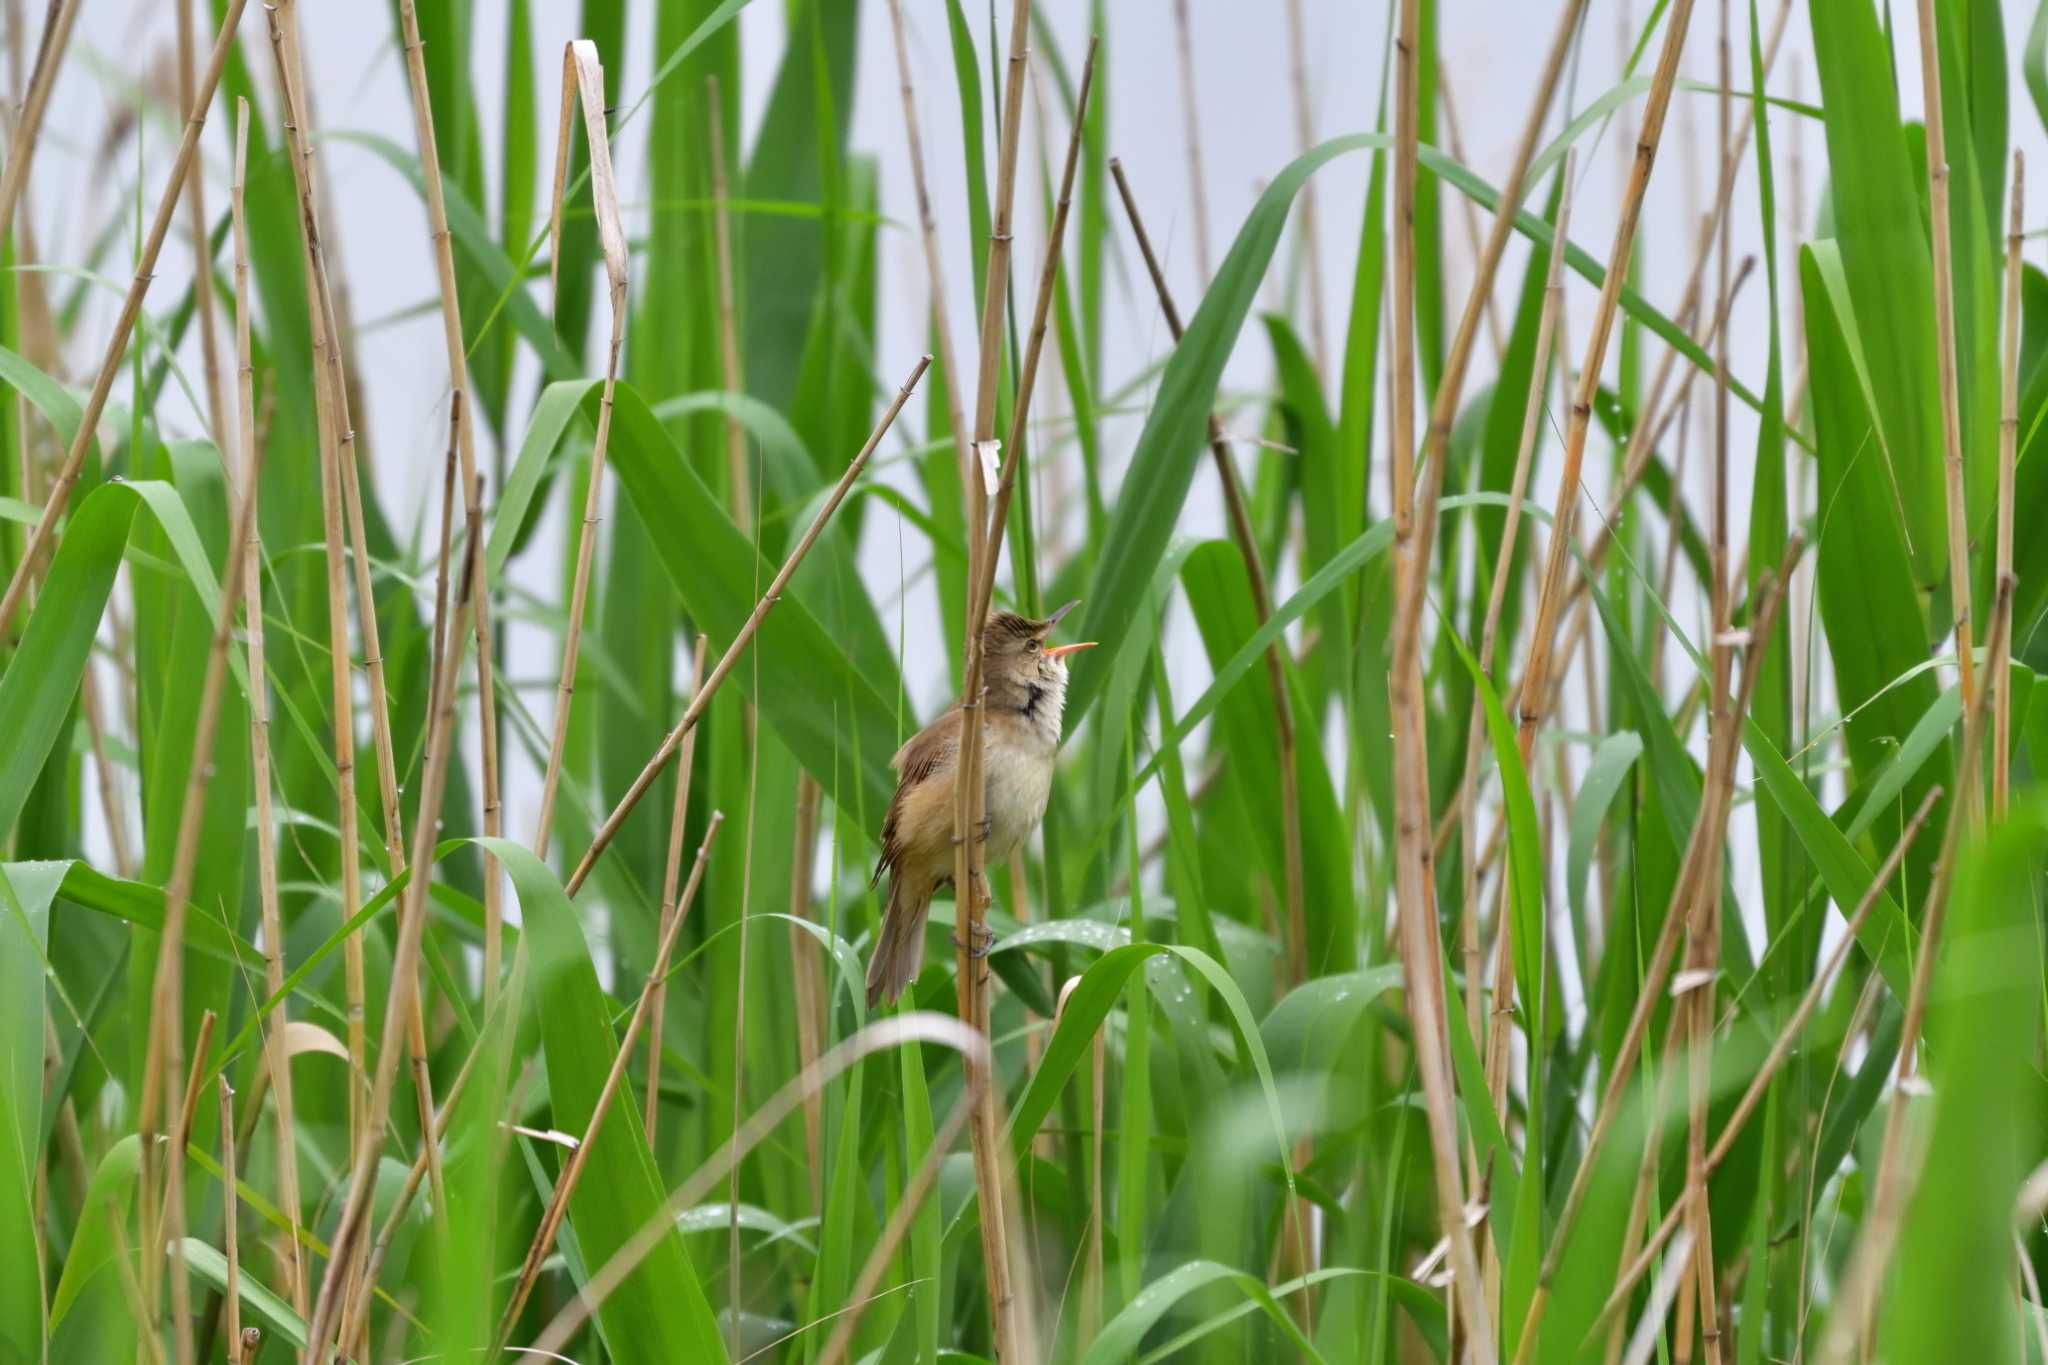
(1490, 48)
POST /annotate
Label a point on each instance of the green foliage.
(1214, 1156)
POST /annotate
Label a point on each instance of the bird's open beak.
(1060, 651)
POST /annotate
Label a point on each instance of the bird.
(1024, 693)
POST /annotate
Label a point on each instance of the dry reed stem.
(1246, 539)
(572, 1169)
(1414, 533)
(341, 685)
(2008, 454)
(1702, 845)
(728, 320)
(202, 246)
(1415, 915)
(350, 1242)
(131, 304)
(147, 1348)
(672, 875)
(1009, 1327)
(28, 124)
(915, 1192)
(1703, 927)
(327, 337)
(231, 1295)
(1897, 1166)
(1191, 136)
(1475, 729)
(1468, 208)
(928, 231)
(251, 1345)
(583, 77)
(278, 1060)
(1781, 1048)
(165, 1049)
(103, 770)
(921, 1026)
(666, 750)
(812, 1003)
(1305, 138)
(1945, 353)
(458, 384)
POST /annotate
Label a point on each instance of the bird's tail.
(899, 948)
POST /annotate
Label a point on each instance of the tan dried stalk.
(672, 875)
(1945, 353)
(2008, 453)
(666, 750)
(1305, 138)
(572, 1170)
(328, 357)
(1781, 1048)
(351, 1242)
(278, 1059)
(583, 78)
(108, 780)
(1462, 810)
(1191, 135)
(11, 182)
(1014, 1330)
(812, 1002)
(928, 231)
(1414, 534)
(728, 320)
(231, 1294)
(165, 1060)
(202, 247)
(458, 383)
(341, 685)
(1702, 846)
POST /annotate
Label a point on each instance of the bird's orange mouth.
(1060, 651)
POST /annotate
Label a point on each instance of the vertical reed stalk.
(277, 1057)
(341, 686)
(971, 966)
(1191, 134)
(202, 247)
(583, 76)
(1475, 725)
(11, 182)
(458, 384)
(671, 875)
(165, 1062)
(928, 231)
(1945, 355)
(351, 1241)
(1305, 138)
(2008, 453)
(231, 1293)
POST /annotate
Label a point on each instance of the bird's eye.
(1031, 645)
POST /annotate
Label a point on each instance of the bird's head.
(1021, 669)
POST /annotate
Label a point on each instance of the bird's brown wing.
(929, 751)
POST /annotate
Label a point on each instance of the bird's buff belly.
(1017, 794)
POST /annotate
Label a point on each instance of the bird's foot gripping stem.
(981, 940)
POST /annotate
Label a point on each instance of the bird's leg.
(982, 939)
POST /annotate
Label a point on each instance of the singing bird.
(1024, 691)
